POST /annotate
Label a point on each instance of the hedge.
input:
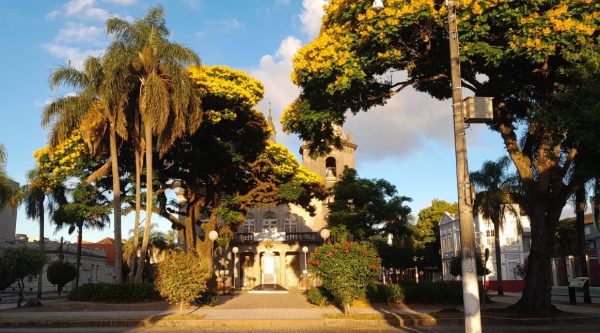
(115, 293)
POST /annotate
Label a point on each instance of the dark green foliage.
(18, 264)
(207, 298)
(60, 273)
(566, 238)
(382, 293)
(115, 293)
(427, 232)
(456, 266)
(368, 207)
(319, 296)
(394, 256)
(438, 292)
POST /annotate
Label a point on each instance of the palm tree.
(496, 191)
(89, 209)
(103, 92)
(167, 100)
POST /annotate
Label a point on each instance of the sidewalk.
(260, 310)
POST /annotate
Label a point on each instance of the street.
(445, 329)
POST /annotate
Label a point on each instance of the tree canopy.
(368, 207)
(427, 232)
(518, 52)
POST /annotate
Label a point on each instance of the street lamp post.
(305, 271)
(325, 233)
(235, 250)
(465, 204)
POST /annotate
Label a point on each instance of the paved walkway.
(292, 306)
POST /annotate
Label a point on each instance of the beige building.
(270, 242)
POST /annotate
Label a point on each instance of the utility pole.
(465, 204)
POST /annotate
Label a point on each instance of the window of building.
(587, 230)
(489, 233)
(269, 222)
(249, 224)
(511, 240)
(289, 223)
(330, 167)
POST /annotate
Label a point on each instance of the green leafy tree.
(20, 263)
(182, 277)
(368, 207)
(566, 238)
(88, 208)
(60, 273)
(496, 193)
(346, 269)
(427, 232)
(518, 52)
(6, 187)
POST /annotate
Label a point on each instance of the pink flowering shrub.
(346, 269)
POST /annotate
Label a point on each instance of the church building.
(271, 247)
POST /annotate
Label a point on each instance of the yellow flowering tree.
(519, 52)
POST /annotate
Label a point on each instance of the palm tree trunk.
(78, 259)
(116, 203)
(138, 208)
(498, 250)
(41, 243)
(149, 173)
(580, 216)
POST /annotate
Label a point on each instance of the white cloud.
(225, 25)
(311, 16)
(78, 33)
(52, 14)
(82, 9)
(122, 2)
(74, 55)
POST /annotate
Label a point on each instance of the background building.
(515, 243)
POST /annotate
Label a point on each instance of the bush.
(207, 298)
(182, 277)
(115, 293)
(60, 273)
(319, 296)
(381, 293)
(346, 269)
(437, 292)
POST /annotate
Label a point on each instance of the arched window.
(330, 167)
(289, 224)
(249, 224)
(269, 222)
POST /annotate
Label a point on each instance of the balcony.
(242, 237)
(302, 237)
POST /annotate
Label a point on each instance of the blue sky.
(408, 142)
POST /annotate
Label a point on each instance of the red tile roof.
(107, 244)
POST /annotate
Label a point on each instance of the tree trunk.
(41, 244)
(498, 258)
(116, 184)
(537, 293)
(21, 286)
(148, 224)
(139, 162)
(580, 217)
(78, 259)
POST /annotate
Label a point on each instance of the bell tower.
(331, 166)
